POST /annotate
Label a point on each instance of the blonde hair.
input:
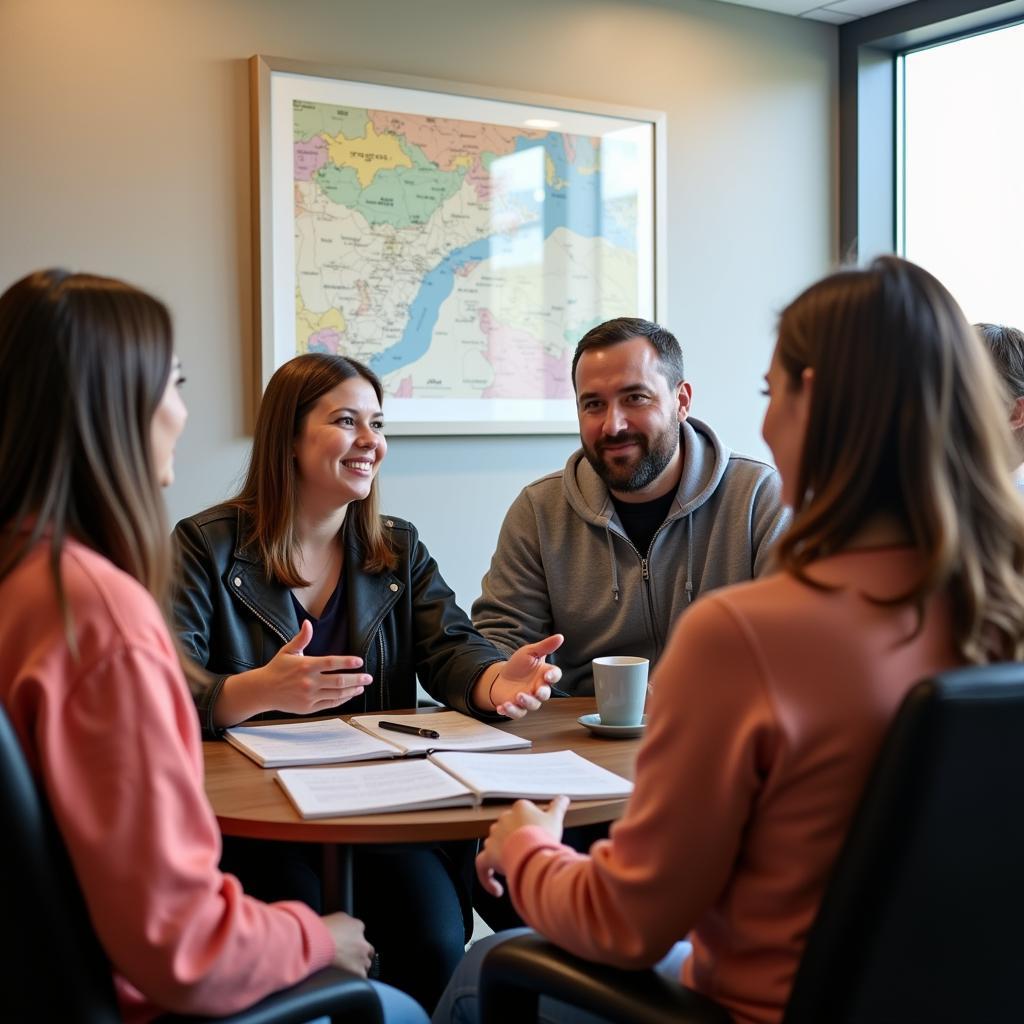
(906, 419)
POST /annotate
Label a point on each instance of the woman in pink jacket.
(89, 675)
(905, 557)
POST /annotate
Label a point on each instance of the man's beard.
(634, 474)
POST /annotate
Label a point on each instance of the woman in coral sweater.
(905, 557)
(89, 674)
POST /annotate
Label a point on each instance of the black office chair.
(923, 919)
(55, 969)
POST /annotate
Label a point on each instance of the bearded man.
(648, 514)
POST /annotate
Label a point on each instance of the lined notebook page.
(321, 741)
(456, 731)
(369, 789)
(534, 776)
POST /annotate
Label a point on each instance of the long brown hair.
(84, 362)
(270, 492)
(906, 419)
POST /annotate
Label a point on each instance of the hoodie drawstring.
(689, 558)
(614, 564)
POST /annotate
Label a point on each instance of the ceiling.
(836, 12)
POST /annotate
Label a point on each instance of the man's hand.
(351, 950)
(489, 861)
(523, 682)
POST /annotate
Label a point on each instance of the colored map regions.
(451, 144)
(459, 259)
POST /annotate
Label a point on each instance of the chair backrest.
(54, 968)
(923, 919)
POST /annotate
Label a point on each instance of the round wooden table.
(248, 801)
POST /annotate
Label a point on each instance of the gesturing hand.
(292, 682)
(523, 682)
(351, 950)
(490, 860)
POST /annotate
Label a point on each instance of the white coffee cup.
(620, 685)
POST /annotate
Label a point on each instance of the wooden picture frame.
(459, 240)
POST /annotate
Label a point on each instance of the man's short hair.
(1007, 347)
(626, 328)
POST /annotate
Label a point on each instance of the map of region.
(458, 259)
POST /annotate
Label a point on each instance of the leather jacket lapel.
(247, 583)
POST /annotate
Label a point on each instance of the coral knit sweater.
(112, 736)
(766, 715)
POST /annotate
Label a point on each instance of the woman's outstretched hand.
(524, 682)
(291, 682)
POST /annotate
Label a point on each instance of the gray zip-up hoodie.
(564, 564)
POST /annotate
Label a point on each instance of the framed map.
(459, 241)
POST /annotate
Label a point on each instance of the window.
(880, 57)
(960, 169)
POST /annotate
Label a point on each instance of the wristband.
(490, 689)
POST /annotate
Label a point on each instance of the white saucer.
(619, 732)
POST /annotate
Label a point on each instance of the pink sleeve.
(670, 856)
(122, 765)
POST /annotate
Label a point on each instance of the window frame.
(870, 135)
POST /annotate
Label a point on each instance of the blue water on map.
(425, 308)
(575, 205)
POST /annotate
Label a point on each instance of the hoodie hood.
(562, 555)
(705, 460)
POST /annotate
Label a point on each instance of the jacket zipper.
(645, 572)
(259, 615)
(645, 569)
(378, 628)
(383, 687)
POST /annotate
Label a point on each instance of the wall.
(124, 150)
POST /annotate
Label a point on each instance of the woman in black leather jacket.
(296, 597)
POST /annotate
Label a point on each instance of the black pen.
(428, 734)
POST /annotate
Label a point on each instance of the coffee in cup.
(620, 685)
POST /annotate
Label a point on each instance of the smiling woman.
(341, 445)
(296, 596)
(337, 456)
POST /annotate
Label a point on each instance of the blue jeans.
(405, 894)
(460, 1002)
(398, 1008)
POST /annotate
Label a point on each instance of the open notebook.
(455, 779)
(332, 741)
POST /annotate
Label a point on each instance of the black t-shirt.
(641, 519)
(330, 631)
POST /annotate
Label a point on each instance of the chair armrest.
(515, 972)
(328, 993)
